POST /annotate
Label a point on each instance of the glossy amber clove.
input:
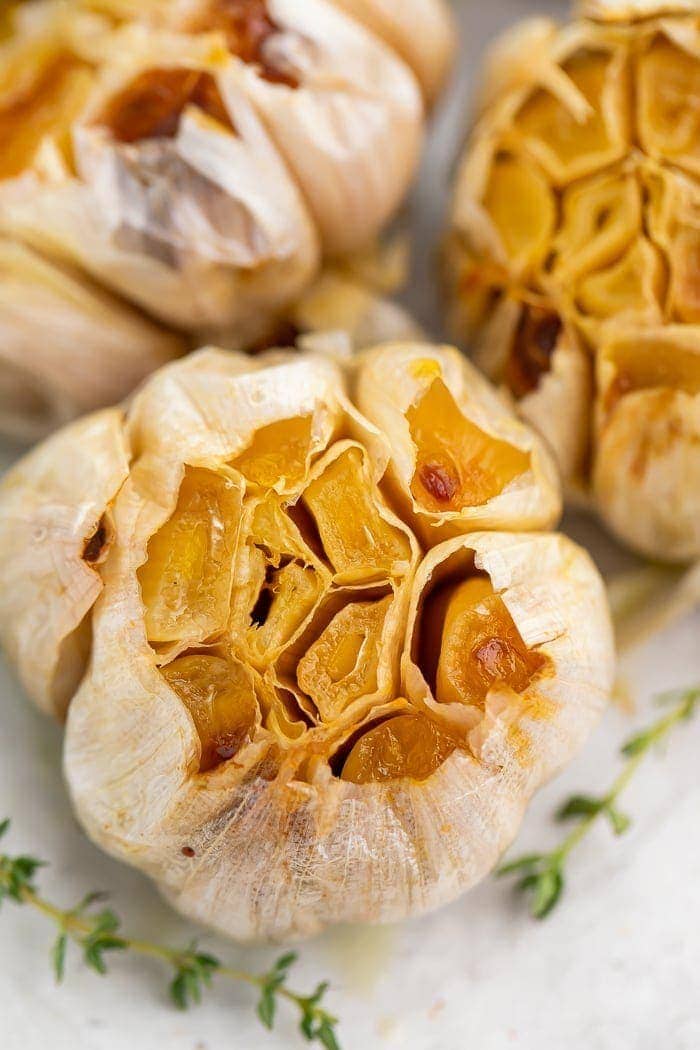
(405, 746)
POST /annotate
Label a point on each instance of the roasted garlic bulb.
(195, 160)
(310, 692)
(572, 256)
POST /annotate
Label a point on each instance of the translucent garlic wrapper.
(310, 692)
(572, 256)
(187, 165)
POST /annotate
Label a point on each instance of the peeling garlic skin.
(339, 712)
(574, 232)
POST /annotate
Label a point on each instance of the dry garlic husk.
(301, 703)
(343, 110)
(573, 249)
(66, 345)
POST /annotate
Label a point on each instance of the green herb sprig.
(541, 875)
(97, 932)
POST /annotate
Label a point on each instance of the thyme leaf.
(97, 931)
(541, 875)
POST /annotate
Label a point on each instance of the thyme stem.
(99, 932)
(541, 875)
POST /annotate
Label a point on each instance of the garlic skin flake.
(302, 704)
(571, 257)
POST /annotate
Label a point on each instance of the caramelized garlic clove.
(480, 645)
(496, 634)
(359, 542)
(566, 146)
(407, 746)
(436, 410)
(220, 697)
(187, 577)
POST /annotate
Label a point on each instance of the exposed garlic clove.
(519, 618)
(459, 460)
(294, 714)
(54, 532)
(648, 421)
(574, 237)
(65, 345)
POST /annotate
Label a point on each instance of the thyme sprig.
(97, 932)
(541, 875)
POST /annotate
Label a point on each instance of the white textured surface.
(615, 968)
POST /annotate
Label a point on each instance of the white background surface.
(614, 968)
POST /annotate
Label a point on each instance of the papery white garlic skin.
(430, 51)
(352, 131)
(65, 345)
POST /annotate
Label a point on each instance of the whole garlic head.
(572, 255)
(186, 165)
(312, 693)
